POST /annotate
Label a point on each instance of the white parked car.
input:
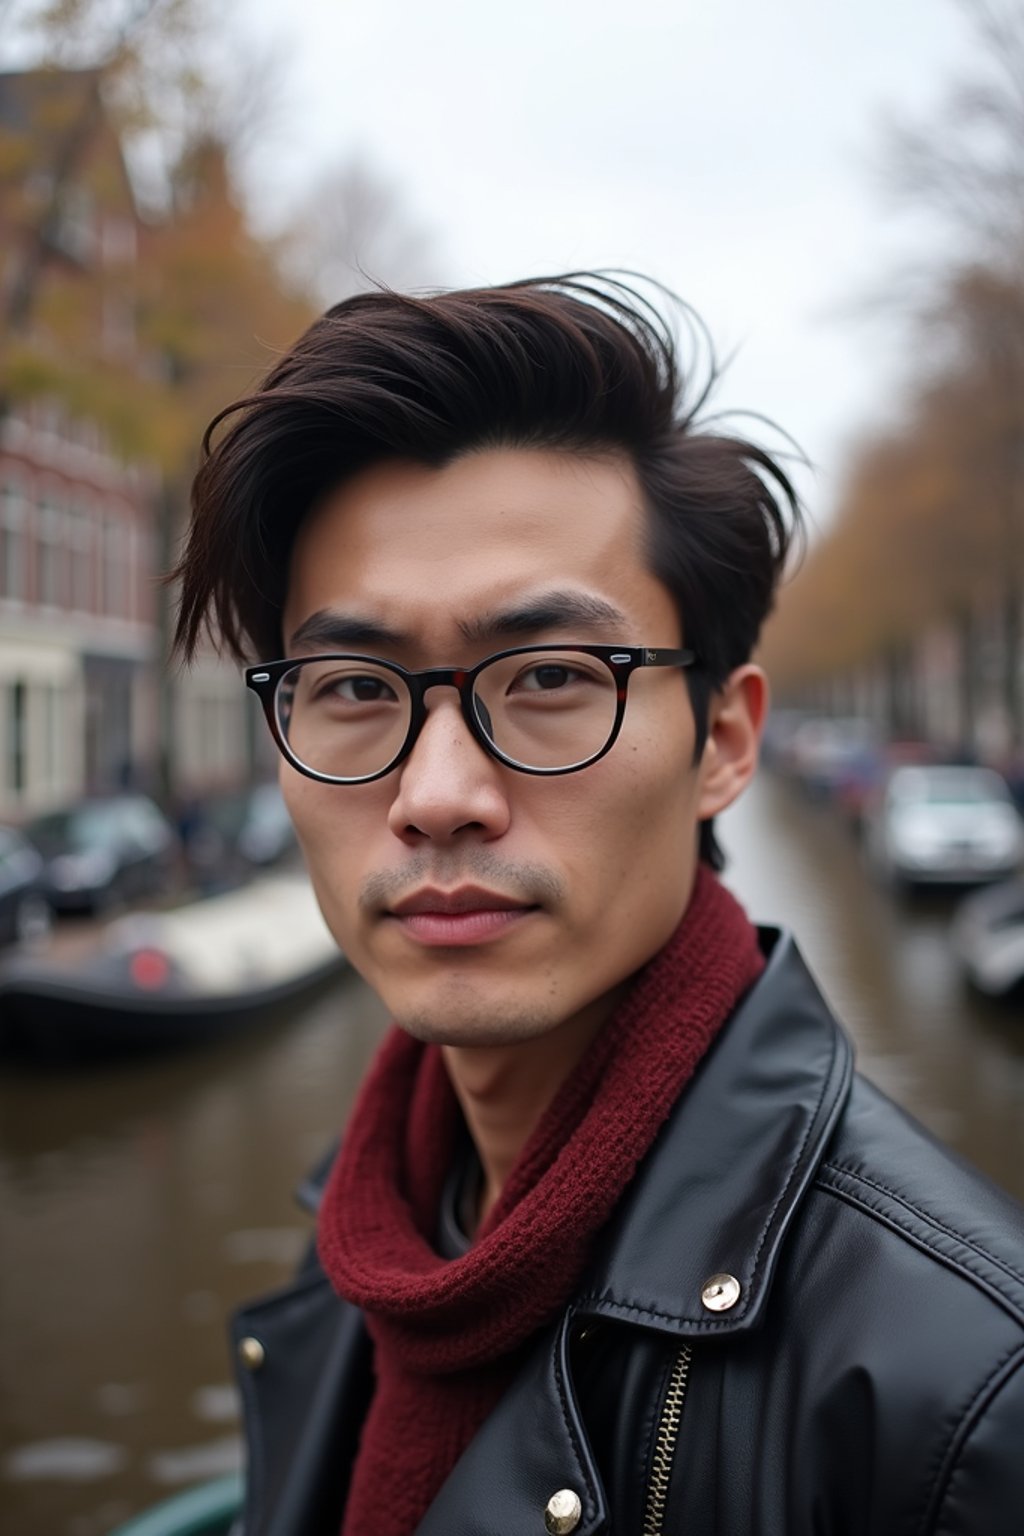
(988, 938)
(945, 824)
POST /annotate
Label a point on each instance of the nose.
(448, 787)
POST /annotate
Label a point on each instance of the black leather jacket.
(867, 1380)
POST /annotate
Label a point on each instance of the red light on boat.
(149, 969)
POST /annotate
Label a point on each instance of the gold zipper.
(665, 1444)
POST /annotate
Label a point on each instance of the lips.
(468, 898)
(453, 919)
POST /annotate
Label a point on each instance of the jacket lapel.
(532, 1446)
(716, 1194)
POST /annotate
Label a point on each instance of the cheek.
(628, 832)
(334, 829)
(307, 806)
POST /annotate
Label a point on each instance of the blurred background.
(839, 192)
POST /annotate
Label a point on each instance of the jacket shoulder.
(983, 1490)
(885, 1164)
(909, 1266)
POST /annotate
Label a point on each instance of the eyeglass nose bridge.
(462, 679)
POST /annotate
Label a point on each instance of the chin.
(464, 1015)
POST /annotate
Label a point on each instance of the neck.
(504, 1089)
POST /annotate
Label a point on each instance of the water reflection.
(142, 1202)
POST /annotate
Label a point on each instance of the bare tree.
(967, 162)
(134, 57)
(350, 231)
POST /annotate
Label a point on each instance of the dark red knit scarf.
(449, 1334)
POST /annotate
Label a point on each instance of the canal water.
(139, 1204)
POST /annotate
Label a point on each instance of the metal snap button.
(563, 1512)
(251, 1353)
(720, 1293)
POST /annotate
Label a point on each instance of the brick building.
(80, 643)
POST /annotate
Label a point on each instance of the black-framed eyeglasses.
(543, 709)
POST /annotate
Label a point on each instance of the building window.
(44, 743)
(15, 737)
(12, 540)
(52, 703)
(80, 549)
(113, 569)
(128, 556)
(52, 554)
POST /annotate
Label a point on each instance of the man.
(615, 1241)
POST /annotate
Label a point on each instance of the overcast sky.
(729, 148)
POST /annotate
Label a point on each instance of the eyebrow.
(332, 629)
(549, 610)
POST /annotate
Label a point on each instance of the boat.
(207, 1510)
(159, 979)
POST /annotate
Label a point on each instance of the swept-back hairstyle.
(583, 363)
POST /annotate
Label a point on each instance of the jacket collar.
(734, 1159)
(736, 1156)
(716, 1194)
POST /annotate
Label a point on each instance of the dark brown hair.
(581, 362)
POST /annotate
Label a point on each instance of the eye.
(549, 675)
(365, 690)
(357, 688)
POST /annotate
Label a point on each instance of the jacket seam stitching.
(255, 1469)
(563, 1406)
(961, 1434)
(957, 1265)
(797, 1161)
(652, 1312)
(967, 1242)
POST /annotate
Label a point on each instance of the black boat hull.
(48, 1018)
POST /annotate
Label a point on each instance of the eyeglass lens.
(349, 719)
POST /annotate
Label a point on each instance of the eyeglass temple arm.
(666, 657)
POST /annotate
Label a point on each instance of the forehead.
(423, 551)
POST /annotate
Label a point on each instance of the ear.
(736, 716)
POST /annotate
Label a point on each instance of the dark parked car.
(230, 835)
(101, 853)
(266, 834)
(826, 755)
(25, 914)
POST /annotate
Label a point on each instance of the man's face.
(572, 882)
